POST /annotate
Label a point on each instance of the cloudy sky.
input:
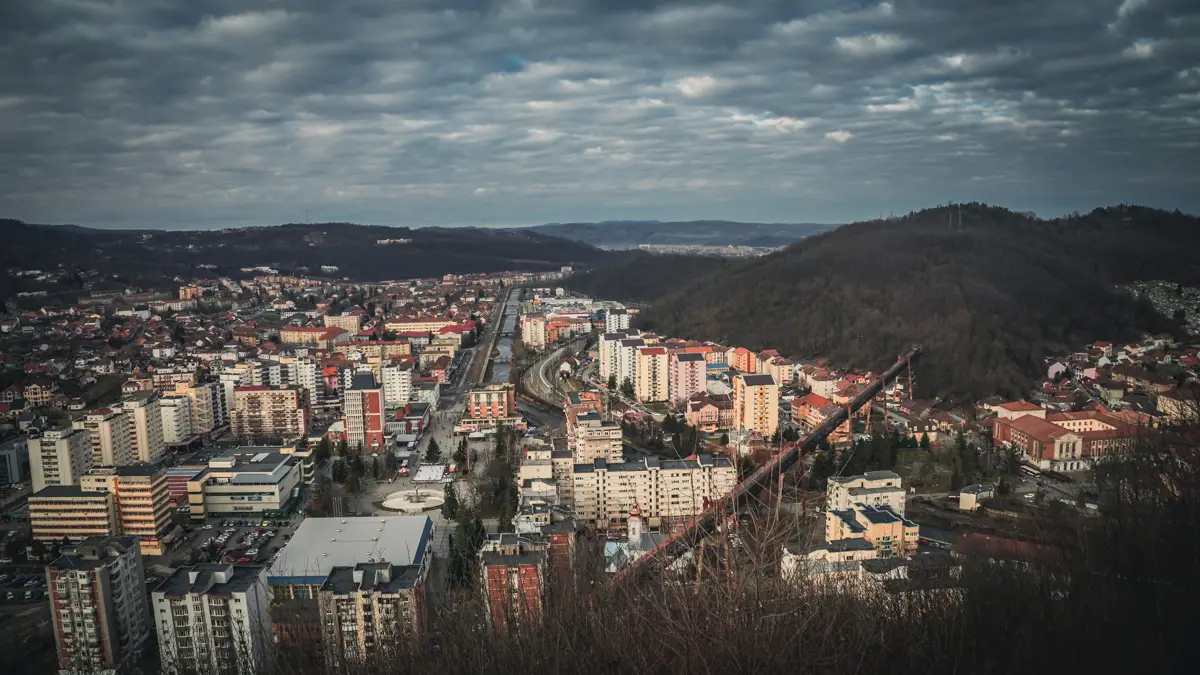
(204, 113)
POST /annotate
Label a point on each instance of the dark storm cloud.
(171, 113)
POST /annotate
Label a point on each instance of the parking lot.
(21, 587)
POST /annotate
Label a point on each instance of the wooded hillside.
(987, 291)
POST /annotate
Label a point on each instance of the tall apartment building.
(363, 412)
(59, 457)
(756, 404)
(109, 431)
(874, 488)
(688, 376)
(143, 413)
(350, 580)
(664, 489)
(98, 605)
(533, 331)
(176, 414)
(213, 618)
(203, 406)
(59, 512)
(615, 320)
(513, 572)
(142, 498)
(270, 411)
(607, 347)
(397, 384)
(652, 376)
(625, 365)
(590, 437)
(14, 460)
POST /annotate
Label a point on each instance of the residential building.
(812, 410)
(176, 414)
(203, 406)
(363, 412)
(688, 376)
(257, 480)
(626, 361)
(313, 336)
(397, 384)
(664, 489)
(533, 332)
(348, 321)
(651, 378)
(270, 411)
(98, 606)
(615, 320)
(741, 359)
(874, 488)
(756, 404)
(513, 572)
(370, 608)
(889, 532)
(142, 499)
(710, 412)
(59, 512)
(491, 405)
(59, 457)
(143, 413)
(212, 618)
(109, 431)
(590, 437)
(330, 582)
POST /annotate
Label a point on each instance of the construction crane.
(708, 521)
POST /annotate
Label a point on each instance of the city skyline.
(212, 114)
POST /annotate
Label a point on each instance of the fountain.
(413, 501)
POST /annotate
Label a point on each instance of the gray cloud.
(165, 113)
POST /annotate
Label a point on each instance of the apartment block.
(397, 384)
(615, 320)
(109, 431)
(590, 437)
(625, 364)
(270, 411)
(59, 457)
(363, 413)
(887, 531)
(533, 332)
(176, 414)
(513, 573)
(368, 608)
(688, 376)
(143, 413)
(348, 321)
(203, 406)
(665, 490)
(59, 512)
(756, 404)
(98, 606)
(142, 498)
(212, 618)
(651, 375)
(874, 488)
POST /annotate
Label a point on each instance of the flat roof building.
(246, 480)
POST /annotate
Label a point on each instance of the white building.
(59, 457)
(664, 489)
(397, 384)
(626, 361)
(874, 488)
(245, 480)
(213, 618)
(176, 412)
(615, 320)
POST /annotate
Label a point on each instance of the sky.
(215, 113)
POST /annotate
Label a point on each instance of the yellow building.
(68, 512)
(891, 534)
(143, 501)
(756, 404)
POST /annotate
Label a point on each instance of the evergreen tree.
(612, 382)
(627, 389)
(434, 452)
(924, 441)
(450, 506)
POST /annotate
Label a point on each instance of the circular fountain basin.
(413, 501)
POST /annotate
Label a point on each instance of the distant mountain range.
(619, 234)
(987, 291)
(150, 257)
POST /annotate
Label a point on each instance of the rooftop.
(757, 380)
(211, 578)
(321, 544)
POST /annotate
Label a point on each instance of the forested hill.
(631, 234)
(987, 291)
(145, 256)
